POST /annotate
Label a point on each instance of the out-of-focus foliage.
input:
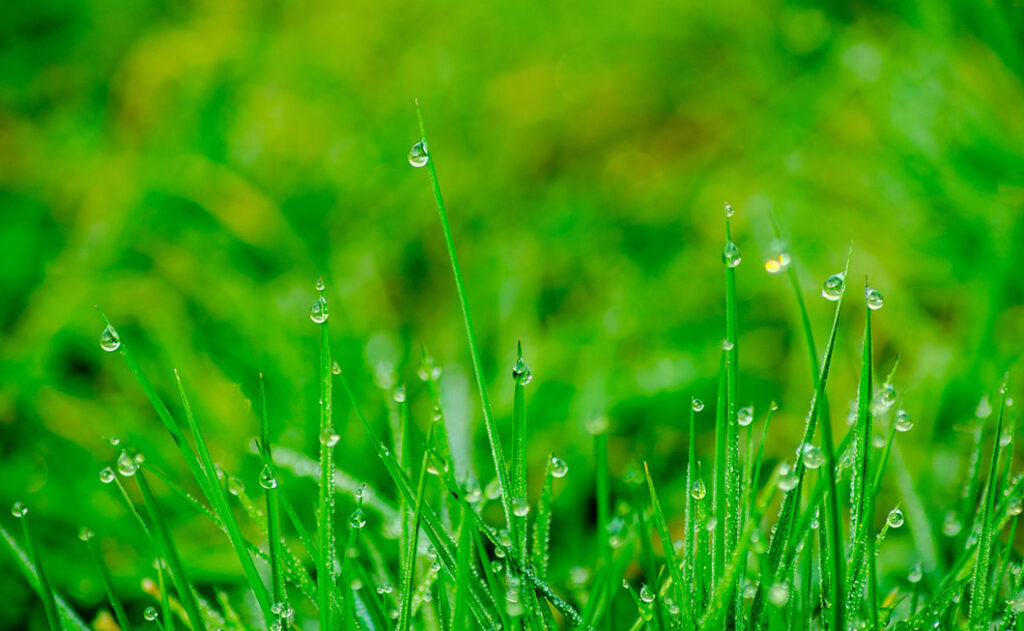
(191, 167)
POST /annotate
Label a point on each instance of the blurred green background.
(192, 167)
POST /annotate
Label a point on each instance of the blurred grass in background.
(192, 167)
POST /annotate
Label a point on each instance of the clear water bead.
(85, 534)
(1015, 506)
(731, 255)
(335, 368)
(697, 404)
(107, 475)
(19, 509)
(358, 519)
(787, 477)
(110, 341)
(916, 574)
(318, 312)
(903, 421)
(493, 489)
(833, 287)
(418, 155)
(329, 437)
(235, 486)
(745, 416)
(150, 614)
(126, 465)
(558, 467)
(887, 397)
(874, 299)
(646, 594)
(267, 479)
(520, 507)
(521, 373)
(778, 594)
(698, 490)
(813, 458)
(729, 212)
(319, 283)
(895, 518)
(399, 394)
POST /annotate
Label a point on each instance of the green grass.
(455, 564)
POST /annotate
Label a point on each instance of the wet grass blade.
(409, 571)
(268, 480)
(108, 584)
(978, 613)
(43, 587)
(718, 502)
(493, 437)
(733, 475)
(671, 559)
(325, 578)
(460, 619)
(542, 524)
(521, 376)
(603, 515)
(169, 553)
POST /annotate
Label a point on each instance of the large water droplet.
(520, 507)
(778, 594)
(267, 479)
(150, 614)
(126, 465)
(318, 312)
(895, 518)
(558, 467)
(319, 285)
(832, 288)
(1015, 506)
(418, 155)
(358, 519)
(329, 437)
(110, 341)
(335, 368)
(813, 457)
(887, 397)
(874, 299)
(745, 416)
(903, 421)
(731, 255)
(698, 490)
(521, 373)
(235, 486)
(646, 594)
(787, 477)
(915, 574)
(493, 489)
(107, 475)
(696, 404)
(19, 509)
(729, 212)
(399, 395)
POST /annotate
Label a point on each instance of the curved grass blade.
(108, 584)
(671, 559)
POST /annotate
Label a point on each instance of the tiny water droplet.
(778, 594)
(107, 475)
(114, 441)
(745, 416)
(318, 312)
(558, 467)
(335, 368)
(787, 477)
(418, 155)
(504, 538)
(85, 534)
(235, 486)
(493, 489)
(126, 465)
(521, 373)
(903, 421)
(984, 409)
(916, 574)
(646, 594)
(319, 285)
(399, 394)
(698, 490)
(361, 491)
(150, 614)
(358, 519)
(329, 437)
(520, 507)
(267, 479)
(813, 458)
(110, 341)
(729, 212)
(887, 397)
(951, 525)
(731, 255)
(832, 288)
(1015, 506)
(895, 518)
(874, 299)
(696, 404)
(597, 425)
(728, 345)
(19, 509)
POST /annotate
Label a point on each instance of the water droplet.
(787, 477)
(832, 288)
(895, 518)
(915, 574)
(903, 421)
(951, 525)
(329, 437)
(646, 594)
(887, 397)
(114, 441)
(558, 467)
(107, 475)
(493, 489)
(335, 368)
(318, 312)
(418, 155)
(319, 285)
(1017, 604)
(126, 465)
(813, 458)
(520, 507)
(19, 509)
(778, 594)
(473, 493)
(504, 538)
(729, 212)
(745, 416)
(597, 425)
(358, 519)
(110, 341)
(728, 345)
(85, 534)
(150, 614)
(1015, 506)
(235, 486)
(731, 255)
(399, 395)
(267, 479)
(984, 409)
(698, 490)
(521, 373)
(1005, 438)
(696, 404)
(874, 299)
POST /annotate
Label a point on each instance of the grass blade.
(108, 581)
(675, 571)
(325, 576)
(542, 524)
(43, 587)
(409, 572)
